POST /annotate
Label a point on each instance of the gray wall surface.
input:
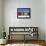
(45, 19)
(0, 18)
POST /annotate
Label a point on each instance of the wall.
(37, 15)
(45, 19)
(0, 18)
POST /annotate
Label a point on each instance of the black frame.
(23, 13)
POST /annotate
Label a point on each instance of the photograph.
(22, 22)
(23, 13)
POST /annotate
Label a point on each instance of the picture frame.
(23, 13)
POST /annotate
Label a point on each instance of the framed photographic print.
(23, 13)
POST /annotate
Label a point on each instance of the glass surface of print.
(23, 13)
